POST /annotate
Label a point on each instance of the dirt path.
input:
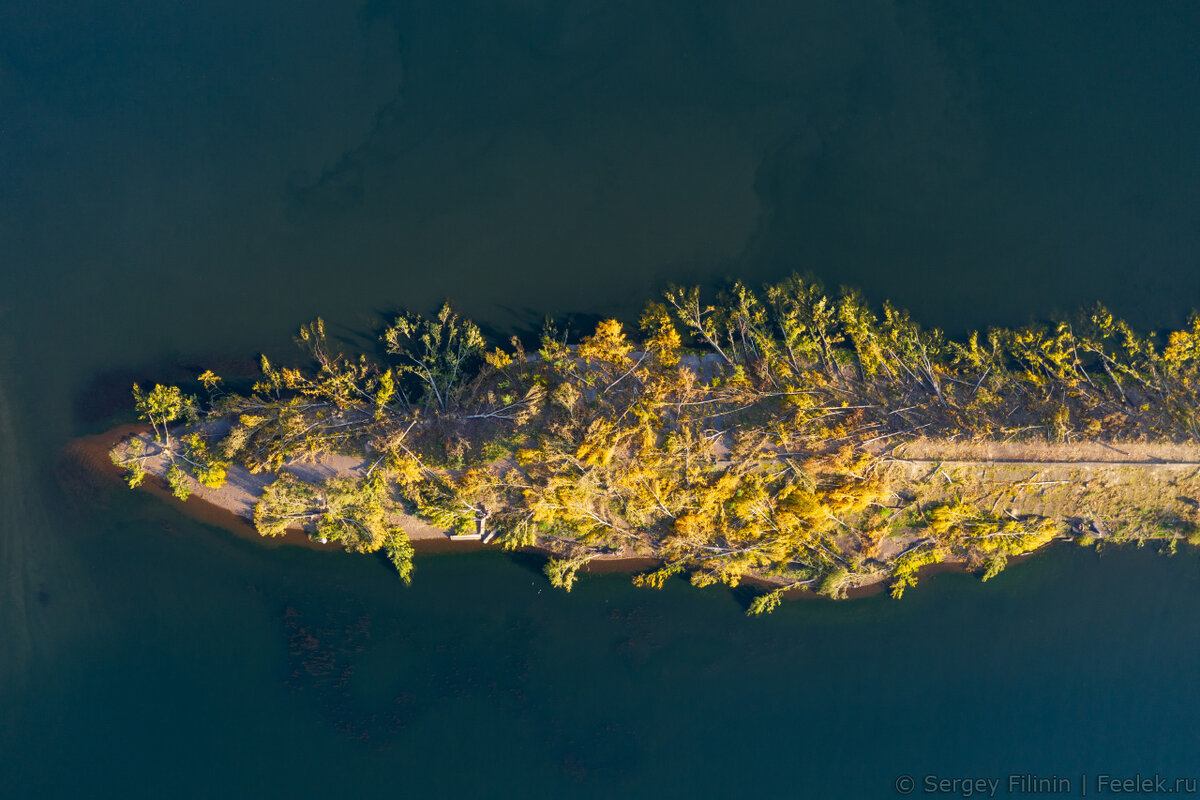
(1044, 453)
(946, 462)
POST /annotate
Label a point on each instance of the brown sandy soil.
(1118, 491)
(1147, 492)
(1090, 452)
(1118, 499)
(90, 454)
(232, 505)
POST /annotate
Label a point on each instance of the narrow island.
(789, 438)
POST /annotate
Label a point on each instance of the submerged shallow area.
(1024, 673)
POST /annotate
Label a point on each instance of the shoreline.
(211, 508)
(220, 507)
(226, 509)
(809, 443)
(231, 507)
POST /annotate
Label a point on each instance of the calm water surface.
(185, 183)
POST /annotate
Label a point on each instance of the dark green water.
(185, 183)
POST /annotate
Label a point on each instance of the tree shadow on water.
(533, 563)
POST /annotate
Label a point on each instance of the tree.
(563, 571)
(743, 323)
(209, 471)
(765, 603)
(351, 512)
(863, 329)
(130, 457)
(436, 352)
(607, 344)
(909, 563)
(696, 317)
(212, 385)
(162, 406)
(177, 479)
(659, 334)
(400, 552)
(806, 322)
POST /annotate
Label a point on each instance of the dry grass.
(1137, 491)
